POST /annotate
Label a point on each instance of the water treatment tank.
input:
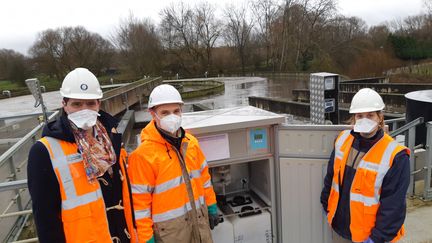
(419, 104)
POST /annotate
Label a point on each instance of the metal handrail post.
(427, 192)
(14, 177)
(407, 126)
(394, 122)
(394, 125)
(411, 144)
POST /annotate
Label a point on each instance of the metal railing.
(427, 193)
(409, 130)
(395, 122)
(16, 158)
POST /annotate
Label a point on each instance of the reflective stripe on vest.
(342, 139)
(61, 164)
(207, 184)
(335, 186)
(141, 214)
(141, 189)
(175, 213)
(203, 165)
(171, 214)
(170, 184)
(381, 170)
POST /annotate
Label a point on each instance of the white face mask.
(84, 119)
(365, 125)
(170, 123)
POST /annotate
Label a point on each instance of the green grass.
(8, 85)
(51, 84)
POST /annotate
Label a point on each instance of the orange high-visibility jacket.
(366, 186)
(83, 208)
(158, 188)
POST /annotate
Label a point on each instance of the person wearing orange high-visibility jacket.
(173, 196)
(77, 171)
(367, 177)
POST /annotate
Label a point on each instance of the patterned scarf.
(98, 152)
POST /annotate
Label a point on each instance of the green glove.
(212, 209)
(151, 240)
(213, 216)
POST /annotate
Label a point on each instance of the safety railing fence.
(409, 131)
(15, 212)
(395, 123)
(427, 193)
(128, 95)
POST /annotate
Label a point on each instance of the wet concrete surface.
(23, 105)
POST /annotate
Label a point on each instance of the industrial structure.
(257, 168)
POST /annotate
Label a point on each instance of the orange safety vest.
(366, 186)
(158, 188)
(83, 209)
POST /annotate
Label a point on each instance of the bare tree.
(48, 53)
(13, 66)
(139, 45)
(179, 36)
(265, 12)
(58, 51)
(238, 31)
(209, 28)
(189, 34)
(428, 5)
(303, 22)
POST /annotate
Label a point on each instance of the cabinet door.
(302, 217)
(302, 156)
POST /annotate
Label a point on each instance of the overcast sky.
(21, 20)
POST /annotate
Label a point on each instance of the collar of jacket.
(174, 141)
(60, 128)
(363, 144)
(151, 133)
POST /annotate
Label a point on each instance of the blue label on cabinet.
(258, 138)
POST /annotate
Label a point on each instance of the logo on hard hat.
(84, 87)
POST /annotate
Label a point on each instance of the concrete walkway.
(23, 105)
(418, 222)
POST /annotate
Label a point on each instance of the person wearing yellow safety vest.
(367, 177)
(77, 171)
(173, 196)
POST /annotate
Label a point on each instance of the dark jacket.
(44, 187)
(392, 209)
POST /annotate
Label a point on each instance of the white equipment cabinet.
(239, 146)
(267, 176)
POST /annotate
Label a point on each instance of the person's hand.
(213, 220)
(369, 240)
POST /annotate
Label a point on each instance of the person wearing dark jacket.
(77, 173)
(367, 178)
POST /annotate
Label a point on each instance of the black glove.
(213, 220)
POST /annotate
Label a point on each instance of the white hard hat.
(81, 84)
(164, 94)
(366, 100)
